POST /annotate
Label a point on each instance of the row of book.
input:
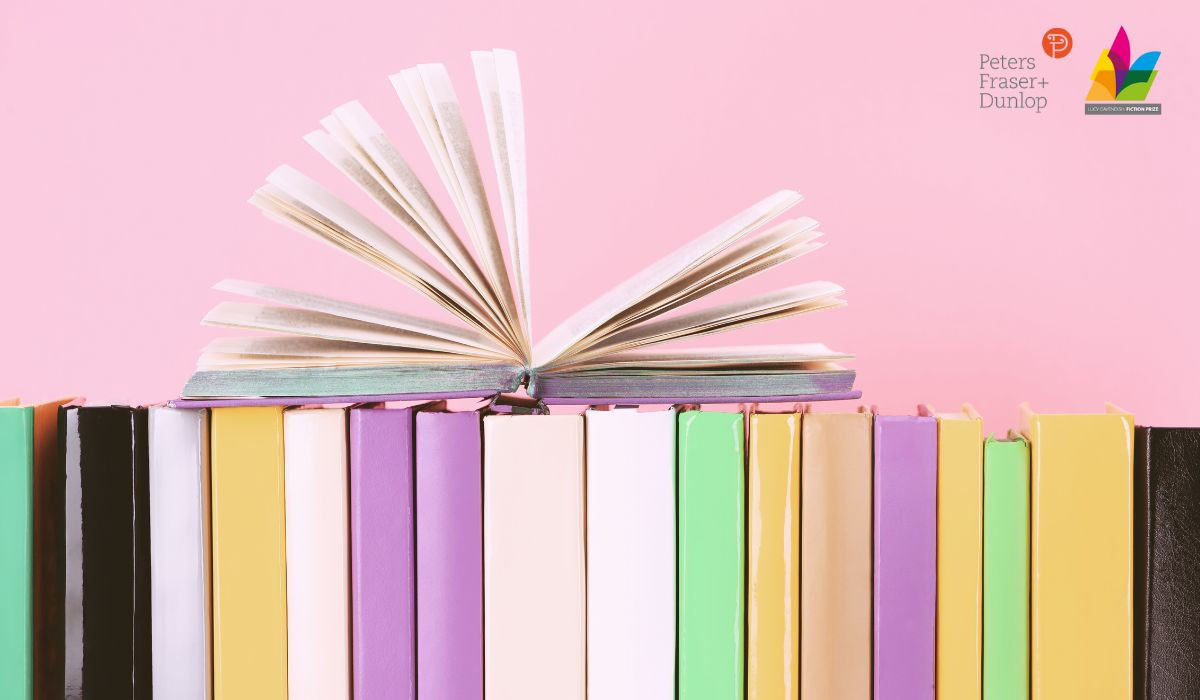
(463, 551)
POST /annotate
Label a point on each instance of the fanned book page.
(618, 346)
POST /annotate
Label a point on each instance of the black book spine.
(104, 641)
(1167, 563)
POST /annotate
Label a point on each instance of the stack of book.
(485, 549)
(360, 508)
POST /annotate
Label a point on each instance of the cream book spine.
(630, 554)
(318, 562)
(533, 558)
(835, 556)
(180, 554)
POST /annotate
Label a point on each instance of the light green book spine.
(1006, 569)
(712, 555)
(16, 553)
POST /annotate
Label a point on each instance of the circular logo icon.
(1057, 42)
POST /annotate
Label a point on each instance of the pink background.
(990, 256)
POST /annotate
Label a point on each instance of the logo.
(1115, 79)
(1057, 42)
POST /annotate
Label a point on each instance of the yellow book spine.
(249, 570)
(774, 557)
(960, 557)
(1082, 552)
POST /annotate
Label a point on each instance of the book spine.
(712, 593)
(449, 532)
(1006, 570)
(835, 556)
(106, 604)
(16, 552)
(1143, 554)
(959, 558)
(1082, 572)
(905, 556)
(48, 553)
(180, 553)
(318, 559)
(381, 536)
(1167, 563)
(534, 609)
(773, 608)
(248, 542)
(631, 554)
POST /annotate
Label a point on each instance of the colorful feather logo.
(1114, 79)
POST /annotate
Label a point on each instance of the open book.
(614, 348)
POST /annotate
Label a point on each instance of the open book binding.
(610, 349)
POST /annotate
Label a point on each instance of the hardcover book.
(608, 349)
(835, 556)
(16, 550)
(630, 554)
(180, 553)
(905, 556)
(773, 551)
(48, 579)
(249, 589)
(712, 555)
(1081, 469)
(104, 642)
(959, 553)
(1006, 569)
(449, 521)
(1166, 554)
(317, 536)
(534, 586)
(381, 540)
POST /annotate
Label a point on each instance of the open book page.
(322, 325)
(357, 146)
(790, 356)
(359, 312)
(274, 352)
(561, 340)
(803, 298)
(304, 205)
(746, 258)
(499, 84)
(433, 107)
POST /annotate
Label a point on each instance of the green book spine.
(16, 553)
(712, 555)
(1006, 569)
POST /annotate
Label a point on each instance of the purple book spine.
(449, 556)
(381, 541)
(905, 556)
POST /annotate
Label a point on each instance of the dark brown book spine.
(101, 648)
(1166, 563)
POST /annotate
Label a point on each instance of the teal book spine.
(16, 553)
(712, 556)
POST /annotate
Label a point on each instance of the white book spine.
(631, 554)
(180, 554)
(318, 602)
